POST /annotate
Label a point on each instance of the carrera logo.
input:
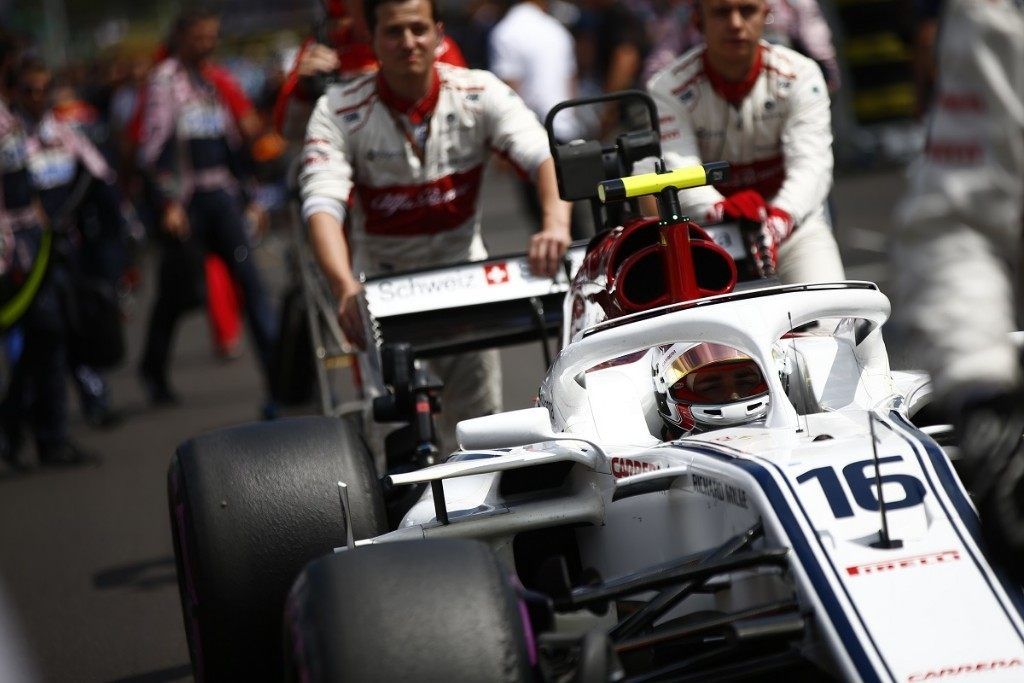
(951, 671)
(624, 467)
(918, 561)
(496, 273)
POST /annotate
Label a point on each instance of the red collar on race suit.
(734, 92)
(448, 52)
(416, 112)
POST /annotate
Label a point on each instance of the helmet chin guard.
(729, 414)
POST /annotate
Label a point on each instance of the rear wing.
(469, 306)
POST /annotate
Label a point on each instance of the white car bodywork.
(931, 609)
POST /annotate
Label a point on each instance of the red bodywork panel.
(642, 265)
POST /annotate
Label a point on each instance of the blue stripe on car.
(963, 507)
(801, 546)
(832, 566)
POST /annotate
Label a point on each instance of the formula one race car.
(719, 482)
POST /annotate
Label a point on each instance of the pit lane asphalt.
(85, 553)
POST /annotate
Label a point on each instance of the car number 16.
(860, 477)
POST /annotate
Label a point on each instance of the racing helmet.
(705, 386)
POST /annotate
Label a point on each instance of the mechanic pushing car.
(956, 258)
(411, 143)
(706, 386)
(765, 109)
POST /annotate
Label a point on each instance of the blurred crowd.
(104, 159)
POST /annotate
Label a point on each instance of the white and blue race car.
(828, 537)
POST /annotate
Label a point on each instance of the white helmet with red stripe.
(705, 386)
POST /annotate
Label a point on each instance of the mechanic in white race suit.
(765, 109)
(956, 257)
(410, 144)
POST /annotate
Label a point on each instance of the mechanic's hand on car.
(318, 59)
(743, 205)
(175, 221)
(347, 291)
(547, 248)
(776, 227)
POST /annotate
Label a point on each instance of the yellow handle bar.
(620, 189)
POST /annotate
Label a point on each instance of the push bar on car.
(621, 189)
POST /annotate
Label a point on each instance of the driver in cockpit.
(704, 386)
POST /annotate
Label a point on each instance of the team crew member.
(409, 144)
(536, 55)
(348, 56)
(191, 149)
(30, 285)
(73, 181)
(957, 257)
(765, 109)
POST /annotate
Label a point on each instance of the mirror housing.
(505, 430)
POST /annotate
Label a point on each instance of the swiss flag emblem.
(496, 273)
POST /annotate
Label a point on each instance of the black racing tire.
(434, 610)
(250, 506)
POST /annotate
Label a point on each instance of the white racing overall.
(956, 252)
(413, 175)
(778, 141)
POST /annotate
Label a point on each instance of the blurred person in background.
(194, 122)
(800, 25)
(341, 51)
(765, 109)
(536, 56)
(30, 284)
(612, 48)
(77, 190)
(124, 101)
(470, 27)
(222, 296)
(673, 28)
(410, 144)
(124, 104)
(957, 258)
(67, 106)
